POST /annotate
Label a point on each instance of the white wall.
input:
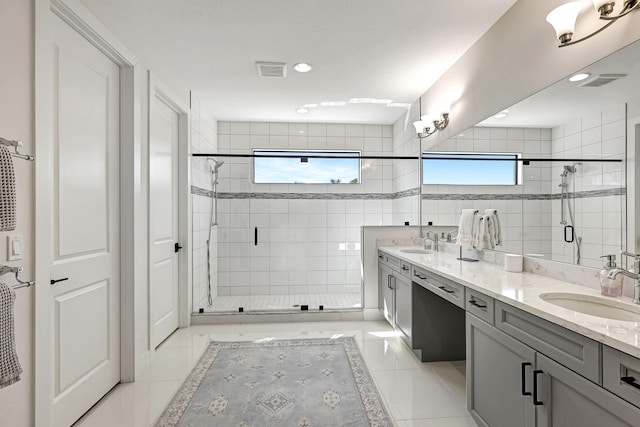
(204, 139)
(516, 58)
(16, 122)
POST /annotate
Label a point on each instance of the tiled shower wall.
(308, 234)
(405, 172)
(203, 140)
(442, 204)
(598, 219)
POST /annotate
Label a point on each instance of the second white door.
(164, 139)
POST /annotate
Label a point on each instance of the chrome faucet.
(635, 274)
(433, 236)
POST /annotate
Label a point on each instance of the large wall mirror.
(573, 199)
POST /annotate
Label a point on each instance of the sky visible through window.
(469, 172)
(284, 170)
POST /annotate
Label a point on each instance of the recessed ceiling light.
(300, 131)
(579, 77)
(502, 114)
(333, 104)
(302, 111)
(302, 67)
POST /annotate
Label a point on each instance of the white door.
(85, 302)
(164, 137)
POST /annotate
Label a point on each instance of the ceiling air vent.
(601, 80)
(272, 69)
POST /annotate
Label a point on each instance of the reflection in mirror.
(571, 207)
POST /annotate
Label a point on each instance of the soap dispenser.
(610, 287)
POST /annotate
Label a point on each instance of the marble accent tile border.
(407, 193)
(527, 196)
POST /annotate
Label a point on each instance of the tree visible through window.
(459, 168)
(300, 167)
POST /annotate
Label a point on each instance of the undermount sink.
(594, 306)
(416, 251)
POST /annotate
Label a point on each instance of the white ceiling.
(389, 49)
(565, 101)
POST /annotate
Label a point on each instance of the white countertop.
(523, 290)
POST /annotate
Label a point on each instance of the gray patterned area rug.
(303, 382)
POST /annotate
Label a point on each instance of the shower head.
(568, 169)
(216, 165)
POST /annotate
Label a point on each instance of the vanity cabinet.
(514, 377)
(566, 399)
(395, 293)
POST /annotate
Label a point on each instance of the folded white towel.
(465, 227)
(497, 229)
(7, 191)
(10, 368)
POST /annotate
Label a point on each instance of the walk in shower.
(260, 245)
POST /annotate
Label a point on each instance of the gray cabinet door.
(499, 371)
(404, 316)
(571, 400)
(387, 294)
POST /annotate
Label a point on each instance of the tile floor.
(416, 394)
(226, 304)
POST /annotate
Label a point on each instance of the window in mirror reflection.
(459, 169)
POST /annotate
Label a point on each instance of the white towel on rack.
(465, 227)
(10, 368)
(481, 238)
(496, 231)
(7, 191)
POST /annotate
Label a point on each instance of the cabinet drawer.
(405, 269)
(575, 351)
(445, 288)
(480, 305)
(621, 375)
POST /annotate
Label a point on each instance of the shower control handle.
(177, 247)
(570, 237)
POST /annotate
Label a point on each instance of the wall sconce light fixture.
(563, 18)
(427, 125)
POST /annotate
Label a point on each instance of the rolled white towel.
(497, 228)
(465, 227)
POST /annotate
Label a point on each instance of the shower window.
(306, 167)
(470, 168)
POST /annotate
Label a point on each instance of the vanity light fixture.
(579, 77)
(302, 67)
(427, 125)
(563, 18)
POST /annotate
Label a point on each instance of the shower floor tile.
(222, 304)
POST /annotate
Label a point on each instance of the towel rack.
(5, 269)
(16, 145)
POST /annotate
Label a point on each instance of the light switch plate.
(15, 247)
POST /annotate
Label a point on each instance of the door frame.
(80, 20)
(156, 89)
